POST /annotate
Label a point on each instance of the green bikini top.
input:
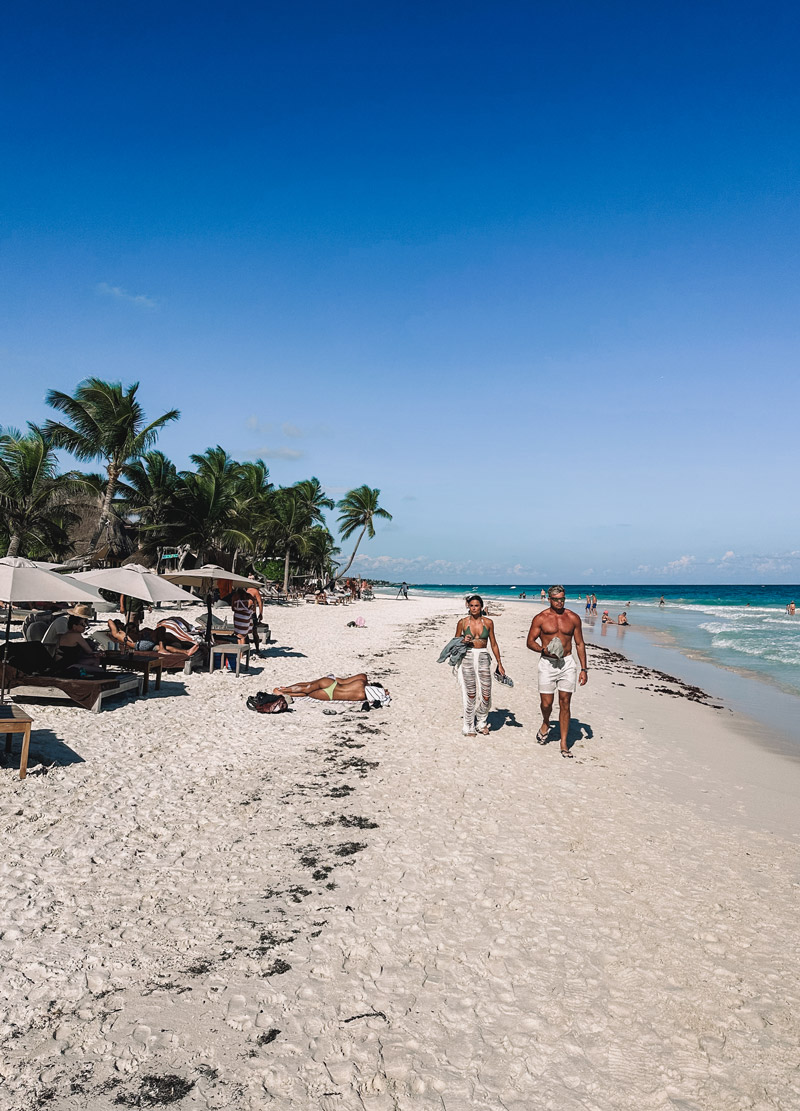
(484, 635)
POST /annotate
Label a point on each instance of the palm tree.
(147, 490)
(104, 421)
(216, 463)
(147, 487)
(358, 509)
(253, 497)
(286, 528)
(33, 494)
(313, 499)
(320, 552)
(201, 515)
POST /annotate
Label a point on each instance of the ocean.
(737, 642)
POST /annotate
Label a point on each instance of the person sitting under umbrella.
(74, 652)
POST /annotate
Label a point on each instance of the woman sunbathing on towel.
(354, 688)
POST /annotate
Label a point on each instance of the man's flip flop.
(541, 738)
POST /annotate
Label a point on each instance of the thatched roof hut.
(118, 540)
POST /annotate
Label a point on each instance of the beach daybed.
(88, 693)
(170, 661)
(29, 674)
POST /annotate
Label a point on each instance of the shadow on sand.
(498, 719)
(46, 748)
(578, 730)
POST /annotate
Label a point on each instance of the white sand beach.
(206, 907)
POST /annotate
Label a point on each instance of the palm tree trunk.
(13, 545)
(344, 570)
(105, 510)
(286, 573)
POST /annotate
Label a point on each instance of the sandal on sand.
(565, 752)
(541, 738)
(484, 732)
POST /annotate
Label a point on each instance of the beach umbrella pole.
(5, 655)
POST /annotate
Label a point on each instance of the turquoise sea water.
(741, 628)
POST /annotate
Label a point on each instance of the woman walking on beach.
(475, 672)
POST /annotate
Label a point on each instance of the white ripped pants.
(475, 676)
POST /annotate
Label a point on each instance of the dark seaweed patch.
(156, 1090)
(354, 821)
(349, 848)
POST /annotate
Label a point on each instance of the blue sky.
(530, 269)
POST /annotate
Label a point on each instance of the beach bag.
(264, 703)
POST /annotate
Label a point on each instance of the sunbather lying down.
(353, 688)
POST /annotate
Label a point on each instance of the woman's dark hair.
(475, 598)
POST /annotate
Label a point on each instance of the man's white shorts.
(553, 678)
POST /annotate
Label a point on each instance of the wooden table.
(222, 650)
(15, 720)
(139, 661)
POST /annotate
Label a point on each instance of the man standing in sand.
(555, 629)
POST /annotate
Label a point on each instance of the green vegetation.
(221, 511)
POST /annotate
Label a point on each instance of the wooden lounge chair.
(88, 693)
(170, 661)
(30, 674)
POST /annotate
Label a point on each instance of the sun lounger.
(170, 661)
(88, 693)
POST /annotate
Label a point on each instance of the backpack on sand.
(264, 703)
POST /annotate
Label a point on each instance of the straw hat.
(80, 611)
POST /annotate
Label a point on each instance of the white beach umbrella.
(135, 581)
(22, 581)
(209, 573)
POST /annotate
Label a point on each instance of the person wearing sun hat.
(59, 626)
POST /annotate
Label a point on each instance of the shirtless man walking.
(557, 670)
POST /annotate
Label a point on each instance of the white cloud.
(292, 431)
(275, 453)
(735, 568)
(680, 564)
(120, 294)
